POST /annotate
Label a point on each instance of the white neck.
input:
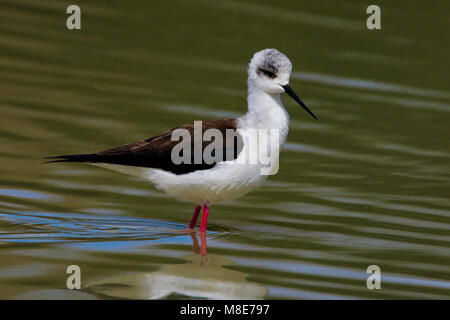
(265, 111)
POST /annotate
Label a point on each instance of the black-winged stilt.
(205, 182)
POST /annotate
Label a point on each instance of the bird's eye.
(267, 73)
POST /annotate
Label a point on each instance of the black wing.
(156, 152)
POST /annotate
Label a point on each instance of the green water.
(367, 184)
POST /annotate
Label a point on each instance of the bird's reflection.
(202, 250)
(203, 276)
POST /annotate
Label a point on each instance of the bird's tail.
(88, 157)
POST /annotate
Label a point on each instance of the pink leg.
(204, 217)
(195, 217)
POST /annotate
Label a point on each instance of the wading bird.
(202, 182)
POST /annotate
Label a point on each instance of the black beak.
(294, 96)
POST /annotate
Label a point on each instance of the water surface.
(367, 184)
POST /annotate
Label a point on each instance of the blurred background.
(369, 183)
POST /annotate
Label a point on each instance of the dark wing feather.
(155, 152)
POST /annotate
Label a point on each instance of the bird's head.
(269, 70)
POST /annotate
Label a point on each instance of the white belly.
(226, 181)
